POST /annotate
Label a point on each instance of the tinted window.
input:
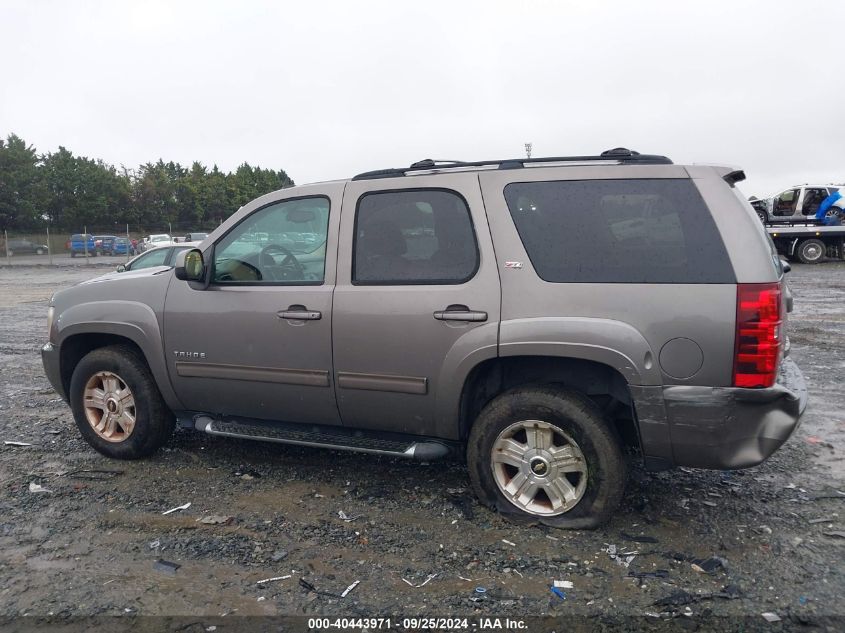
(628, 231)
(284, 243)
(422, 236)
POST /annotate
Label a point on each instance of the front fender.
(128, 319)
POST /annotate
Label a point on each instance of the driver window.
(284, 243)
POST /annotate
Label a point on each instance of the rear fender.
(604, 341)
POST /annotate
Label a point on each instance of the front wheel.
(762, 216)
(546, 455)
(116, 404)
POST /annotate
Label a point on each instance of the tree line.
(68, 192)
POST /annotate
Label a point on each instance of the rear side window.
(415, 236)
(618, 231)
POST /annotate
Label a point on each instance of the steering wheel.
(290, 264)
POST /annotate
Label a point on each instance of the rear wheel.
(835, 212)
(810, 251)
(546, 455)
(761, 215)
(116, 404)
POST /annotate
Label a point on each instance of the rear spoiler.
(730, 175)
(734, 177)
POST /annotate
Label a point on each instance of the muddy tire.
(810, 251)
(116, 404)
(546, 455)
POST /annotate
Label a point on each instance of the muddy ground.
(89, 546)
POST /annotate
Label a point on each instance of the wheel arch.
(77, 340)
(602, 383)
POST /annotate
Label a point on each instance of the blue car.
(122, 246)
(79, 242)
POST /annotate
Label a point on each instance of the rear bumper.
(719, 427)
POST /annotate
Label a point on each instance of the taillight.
(759, 340)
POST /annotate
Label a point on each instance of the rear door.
(417, 300)
(812, 199)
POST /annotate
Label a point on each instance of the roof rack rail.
(619, 155)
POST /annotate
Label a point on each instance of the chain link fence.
(92, 245)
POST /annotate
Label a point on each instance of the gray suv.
(537, 316)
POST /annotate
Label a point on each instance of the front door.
(257, 342)
(417, 299)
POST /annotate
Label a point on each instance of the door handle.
(458, 312)
(299, 313)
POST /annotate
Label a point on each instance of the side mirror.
(189, 265)
(785, 265)
(121, 268)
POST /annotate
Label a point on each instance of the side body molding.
(130, 319)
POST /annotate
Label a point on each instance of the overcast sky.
(325, 90)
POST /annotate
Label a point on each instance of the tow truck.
(808, 242)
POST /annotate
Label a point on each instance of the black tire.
(762, 216)
(73, 253)
(810, 251)
(154, 422)
(576, 416)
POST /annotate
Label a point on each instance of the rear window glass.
(622, 231)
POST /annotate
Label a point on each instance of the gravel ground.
(89, 545)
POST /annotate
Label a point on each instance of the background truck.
(789, 218)
(797, 204)
(808, 243)
(82, 244)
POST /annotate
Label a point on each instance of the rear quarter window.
(618, 231)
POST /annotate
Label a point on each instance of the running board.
(322, 437)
